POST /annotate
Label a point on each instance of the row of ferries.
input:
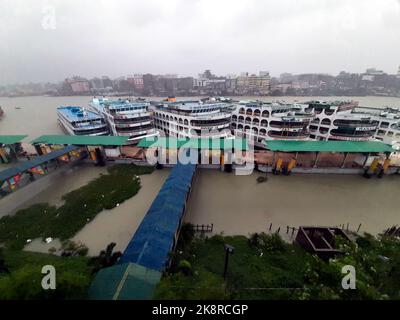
(217, 118)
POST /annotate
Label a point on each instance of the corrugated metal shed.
(328, 146)
(11, 139)
(194, 143)
(26, 165)
(82, 140)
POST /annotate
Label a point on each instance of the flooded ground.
(50, 188)
(240, 205)
(117, 225)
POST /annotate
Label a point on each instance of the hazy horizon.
(46, 41)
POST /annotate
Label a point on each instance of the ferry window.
(390, 133)
(326, 121)
(384, 124)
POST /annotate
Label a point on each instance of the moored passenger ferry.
(264, 121)
(80, 121)
(338, 120)
(126, 118)
(205, 118)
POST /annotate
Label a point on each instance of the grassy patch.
(265, 267)
(80, 206)
(252, 270)
(73, 276)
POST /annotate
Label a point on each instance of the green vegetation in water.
(80, 206)
(265, 267)
(22, 275)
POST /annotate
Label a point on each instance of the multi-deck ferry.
(80, 121)
(193, 118)
(270, 121)
(388, 123)
(126, 118)
(339, 121)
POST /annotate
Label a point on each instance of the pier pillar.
(291, 165)
(386, 164)
(316, 160)
(366, 159)
(344, 160)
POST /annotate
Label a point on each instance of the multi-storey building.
(253, 84)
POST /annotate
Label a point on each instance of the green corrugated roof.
(82, 140)
(127, 281)
(328, 146)
(195, 143)
(11, 139)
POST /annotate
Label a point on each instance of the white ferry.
(206, 118)
(339, 121)
(126, 118)
(271, 121)
(80, 121)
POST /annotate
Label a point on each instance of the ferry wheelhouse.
(270, 121)
(126, 118)
(80, 121)
(193, 118)
(339, 121)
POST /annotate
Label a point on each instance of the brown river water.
(234, 204)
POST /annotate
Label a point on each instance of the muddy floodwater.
(116, 225)
(241, 205)
(120, 223)
(51, 188)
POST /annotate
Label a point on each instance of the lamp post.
(228, 250)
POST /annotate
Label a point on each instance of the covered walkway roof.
(195, 143)
(82, 140)
(11, 139)
(328, 146)
(26, 165)
(154, 238)
(125, 281)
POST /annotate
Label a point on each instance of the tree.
(3, 267)
(106, 258)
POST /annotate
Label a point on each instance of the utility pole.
(228, 250)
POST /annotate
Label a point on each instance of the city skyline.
(47, 40)
(128, 74)
(371, 82)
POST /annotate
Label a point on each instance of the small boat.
(17, 108)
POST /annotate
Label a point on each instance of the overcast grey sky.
(120, 37)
